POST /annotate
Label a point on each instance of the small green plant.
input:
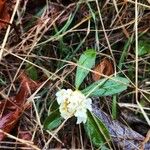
(78, 103)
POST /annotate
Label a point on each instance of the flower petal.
(73, 103)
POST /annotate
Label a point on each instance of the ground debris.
(123, 136)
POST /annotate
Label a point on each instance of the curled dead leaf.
(105, 67)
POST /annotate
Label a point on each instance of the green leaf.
(106, 87)
(53, 120)
(143, 47)
(32, 72)
(86, 62)
(96, 130)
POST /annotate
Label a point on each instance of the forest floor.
(46, 46)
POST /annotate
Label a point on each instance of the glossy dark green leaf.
(106, 87)
(96, 131)
(86, 62)
(53, 120)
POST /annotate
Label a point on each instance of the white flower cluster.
(73, 103)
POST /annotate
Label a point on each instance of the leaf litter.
(13, 107)
(137, 138)
(123, 136)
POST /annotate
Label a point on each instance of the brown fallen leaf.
(4, 15)
(8, 121)
(105, 67)
(12, 109)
